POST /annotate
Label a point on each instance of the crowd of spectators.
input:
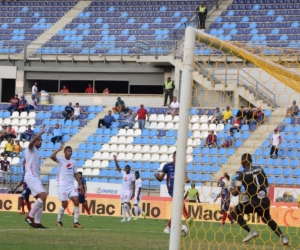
(22, 105)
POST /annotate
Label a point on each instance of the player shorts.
(259, 206)
(225, 206)
(135, 201)
(25, 194)
(125, 196)
(35, 185)
(81, 199)
(66, 192)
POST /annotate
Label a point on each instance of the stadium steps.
(67, 18)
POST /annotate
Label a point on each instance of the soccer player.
(138, 196)
(67, 170)
(82, 196)
(32, 178)
(24, 196)
(225, 199)
(127, 193)
(254, 200)
(169, 170)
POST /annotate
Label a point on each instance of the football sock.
(230, 218)
(140, 210)
(87, 209)
(38, 215)
(22, 204)
(28, 204)
(224, 216)
(127, 209)
(169, 223)
(124, 212)
(242, 223)
(136, 211)
(36, 206)
(185, 212)
(76, 213)
(273, 225)
(61, 212)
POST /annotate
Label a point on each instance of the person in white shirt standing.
(32, 178)
(35, 92)
(173, 108)
(67, 170)
(276, 141)
(138, 196)
(128, 189)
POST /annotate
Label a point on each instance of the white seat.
(95, 172)
(171, 149)
(137, 148)
(129, 140)
(196, 142)
(9, 159)
(96, 164)
(176, 125)
(190, 142)
(212, 126)
(16, 128)
(7, 121)
(25, 144)
(121, 156)
(128, 148)
(153, 125)
(161, 166)
(153, 118)
(97, 155)
(161, 125)
(170, 158)
(147, 124)
(136, 126)
(113, 147)
(176, 118)
(196, 126)
(122, 139)
(104, 156)
(154, 149)
(170, 125)
(204, 134)
(146, 157)
(189, 150)
(210, 117)
(23, 122)
(168, 118)
(14, 114)
(220, 127)
(88, 163)
(195, 118)
(1, 120)
(154, 157)
(164, 157)
(111, 156)
(30, 115)
(24, 114)
(160, 118)
(137, 157)
(163, 149)
(80, 170)
(15, 161)
(129, 132)
(203, 119)
(122, 132)
(128, 157)
(22, 129)
(204, 127)
(87, 171)
(113, 139)
(145, 149)
(137, 132)
(105, 147)
(31, 122)
(189, 158)
(104, 164)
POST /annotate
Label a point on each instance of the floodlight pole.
(185, 101)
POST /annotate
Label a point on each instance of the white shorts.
(135, 201)
(125, 196)
(35, 185)
(66, 192)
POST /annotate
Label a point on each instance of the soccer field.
(109, 234)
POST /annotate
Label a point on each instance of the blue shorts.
(26, 193)
(171, 193)
(81, 199)
(225, 206)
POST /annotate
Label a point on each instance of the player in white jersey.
(32, 178)
(127, 191)
(138, 196)
(67, 170)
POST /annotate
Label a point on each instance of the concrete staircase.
(67, 18)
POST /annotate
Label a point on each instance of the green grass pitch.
(109, 234)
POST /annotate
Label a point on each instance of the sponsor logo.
(99, 190)
(69, 166)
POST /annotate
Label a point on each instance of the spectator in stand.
(106, 91)
(142, 114)
(236, 126)
(64, 89)
(27, 135)
(16, 149)
(10, 132)
(68, 112)
(293, 110)
(250, 117)
(173, 108)
(229, 140)
(3, 132)
(5, 166)
(35, 92)
(107, 120)
(23, 105)
(217, 117)
(168, 89)
(259, 116)
(90, 89)
(227, 115)
(77, 111)
(211, 139)
(129, 121)
(9, 146)
(241, 114)
(275, 142)
(119, 106)
(32, 104)
(15, 101)
(202, 14)
(57, 134)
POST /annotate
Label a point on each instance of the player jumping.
(169, 170)
(82, 196)
(32, 178)
(67, 170)
(126, 192)
(24, 198)
(138, 196)
(225, 199)
(254, 200)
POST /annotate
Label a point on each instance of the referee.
(192, 194)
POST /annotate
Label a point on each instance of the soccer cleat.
(59, 224)
(124, 220)
(89, 215)
(135, 218)
(77, 225)
(144, 216)
(129, 218)
(190, 221)
(222, 225)
(22, 212)
(30, 221)
(40, 226)
(284, 240)
(167, 230)
(252, 234)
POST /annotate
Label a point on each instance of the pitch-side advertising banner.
(283, 194)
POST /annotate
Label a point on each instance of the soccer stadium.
(100, 100)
